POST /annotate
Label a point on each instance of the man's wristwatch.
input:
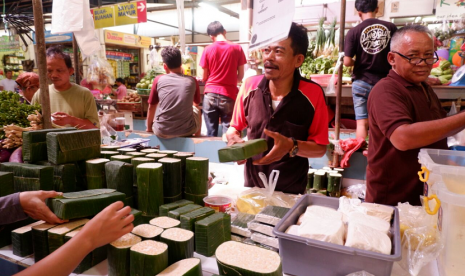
(294, 149)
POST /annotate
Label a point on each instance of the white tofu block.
(327, 230)
(364, 237)
(293, 230)
(323, 212)
(301, 219)
(370, 221)
(379, 211)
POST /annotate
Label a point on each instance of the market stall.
(194, 217)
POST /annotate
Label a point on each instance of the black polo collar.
(264, 84)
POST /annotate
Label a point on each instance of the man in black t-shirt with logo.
(369, 43)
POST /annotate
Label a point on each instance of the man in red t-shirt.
(223, 65)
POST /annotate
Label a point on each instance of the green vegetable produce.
(14, 112)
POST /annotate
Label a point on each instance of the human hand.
(33, 204)
(62, 119)
(282, 146)
(107, 226)
(233, 137)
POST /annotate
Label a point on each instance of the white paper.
(271, 22)
(67, 16)
(87, 39)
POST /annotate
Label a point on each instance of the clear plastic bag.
(331, 89)
(357, 191)
(457, 139)
(420, 238)
(252, 201)
(107, 132)
(100, 73)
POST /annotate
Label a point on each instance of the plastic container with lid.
(303, 256)
(446, 180)
(218, 203)
(451, 225)
(447, 166)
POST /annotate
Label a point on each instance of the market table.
(444, 92)
(231, 178)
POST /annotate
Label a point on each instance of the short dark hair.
(365, 6)
(171, 57)
(120, 80)
(8, 70)
(57, 52)
(299, 39)
(215, 28)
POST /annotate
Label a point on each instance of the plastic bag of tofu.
(252, 201)
(420, 238)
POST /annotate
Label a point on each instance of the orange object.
(457, 59)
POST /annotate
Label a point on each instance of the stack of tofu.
(366, 227)
(258, 229)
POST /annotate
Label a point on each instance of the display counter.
(233, 186)
(444, 92)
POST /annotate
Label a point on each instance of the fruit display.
(146, 82)
(443, 71)
(130, 98)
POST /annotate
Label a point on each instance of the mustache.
(268, 64)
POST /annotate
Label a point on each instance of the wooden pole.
(77, 64)
(42, 62)
(337, 128)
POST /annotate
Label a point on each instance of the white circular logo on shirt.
(375, 38)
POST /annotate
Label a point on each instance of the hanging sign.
(271, 22)
(120, 14)
(450, 9)
(54, 38)
(104, 17)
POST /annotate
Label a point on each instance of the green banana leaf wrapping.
(119, 255)
(83, 203)
(35, 144)
(71, 146)
(211, 232)
(242, 151)
(239, 259)
(148, 258)
(29, 177)
(186, 267)
(180, 243)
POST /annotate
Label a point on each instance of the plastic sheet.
(331, 88)
(357, 191)
(421, 240)
(457, 139)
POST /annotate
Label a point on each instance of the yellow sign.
(104, 17)
(126, 13)
(120, 14)
(118, 38)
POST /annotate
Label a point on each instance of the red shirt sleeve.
(197, 92)
(204, 59)
(153, 98)
(318, 131)
(241, 58)
(238, 120)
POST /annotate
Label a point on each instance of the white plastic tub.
(451, 224)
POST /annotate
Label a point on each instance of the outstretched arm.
(110, 224)
(62, 119)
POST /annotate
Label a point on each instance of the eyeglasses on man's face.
(418, 60)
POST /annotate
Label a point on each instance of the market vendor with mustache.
(70, 104)
(285, 109)
(405, 115)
